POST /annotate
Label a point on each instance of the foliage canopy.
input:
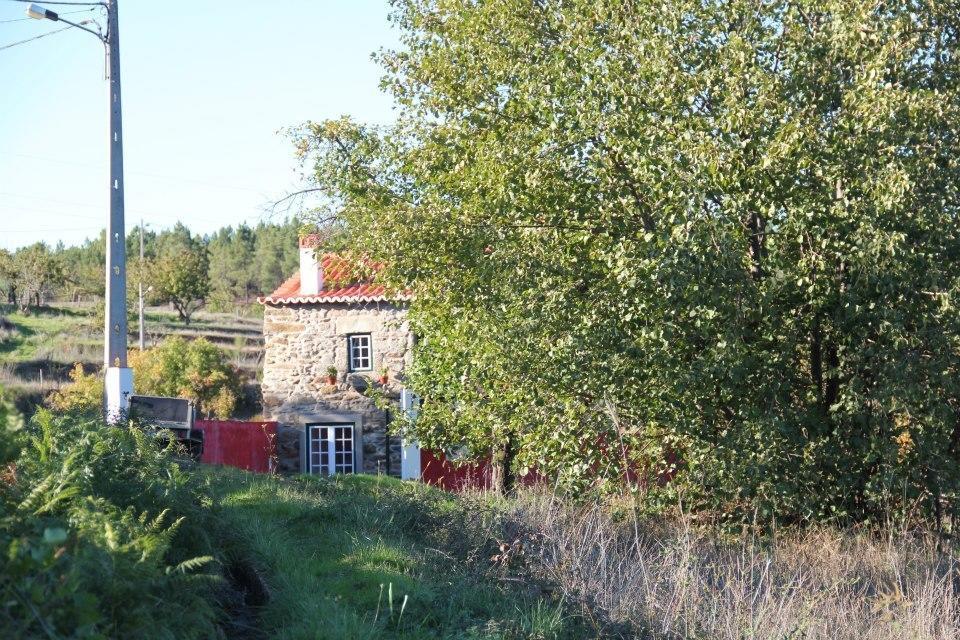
(181, 276)
(29, 274)
(244, 261)
(723, 233)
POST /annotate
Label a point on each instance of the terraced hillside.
(38, 349)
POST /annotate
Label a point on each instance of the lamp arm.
(42, 13)
(99, 35)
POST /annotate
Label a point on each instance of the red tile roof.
(342, 282)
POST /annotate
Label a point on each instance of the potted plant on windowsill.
(384, 375)
(331, 375)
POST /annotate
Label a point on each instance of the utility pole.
(140, 286)
(119, 378)
(118, 383)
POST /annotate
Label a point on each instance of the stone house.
(325, 316)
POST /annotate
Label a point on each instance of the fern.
(190, 565)
(138, 560)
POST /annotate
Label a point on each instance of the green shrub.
(195, 369)
(84, 392)
(102, 535)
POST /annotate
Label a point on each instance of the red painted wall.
(245, 445)
(437, 471)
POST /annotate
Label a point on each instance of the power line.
(86, 4)
(88, 165)
(85, 205)
(16, 208)
(62, 13)
(150, 215)
(42, 35)
(46, 230)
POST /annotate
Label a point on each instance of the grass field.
(371, 557)
(38, 349)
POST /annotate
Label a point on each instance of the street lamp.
(118, 384)
(40, 13)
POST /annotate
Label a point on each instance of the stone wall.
(301, 342)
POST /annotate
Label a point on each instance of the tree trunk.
(832, 387)
(182, 313)
(757, 226)
(502, 476)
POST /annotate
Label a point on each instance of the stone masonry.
(301, 342)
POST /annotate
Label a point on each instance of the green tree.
(276, 254)
(8, 284)
(175, 241)
(30, 275)
(182, 278)
(231, 266)
(243, 262)
(719, 232)
(83, 269)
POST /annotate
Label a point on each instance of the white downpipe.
(409, 450)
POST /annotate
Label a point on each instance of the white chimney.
(311, 272)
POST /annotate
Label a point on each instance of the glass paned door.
(330, 449)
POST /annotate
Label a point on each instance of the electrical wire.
(62, 13)
(153, 215)
(53, 229)
(42, 35)
(158, 176)
(87, 4)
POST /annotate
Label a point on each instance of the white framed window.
(361, 352)
(329, 449)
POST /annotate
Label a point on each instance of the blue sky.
(207, 86)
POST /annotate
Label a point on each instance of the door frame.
(331, 442)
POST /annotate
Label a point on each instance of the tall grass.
(669, 579)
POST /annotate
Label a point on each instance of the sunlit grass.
(350, 557)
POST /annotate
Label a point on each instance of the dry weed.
(670, 580)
